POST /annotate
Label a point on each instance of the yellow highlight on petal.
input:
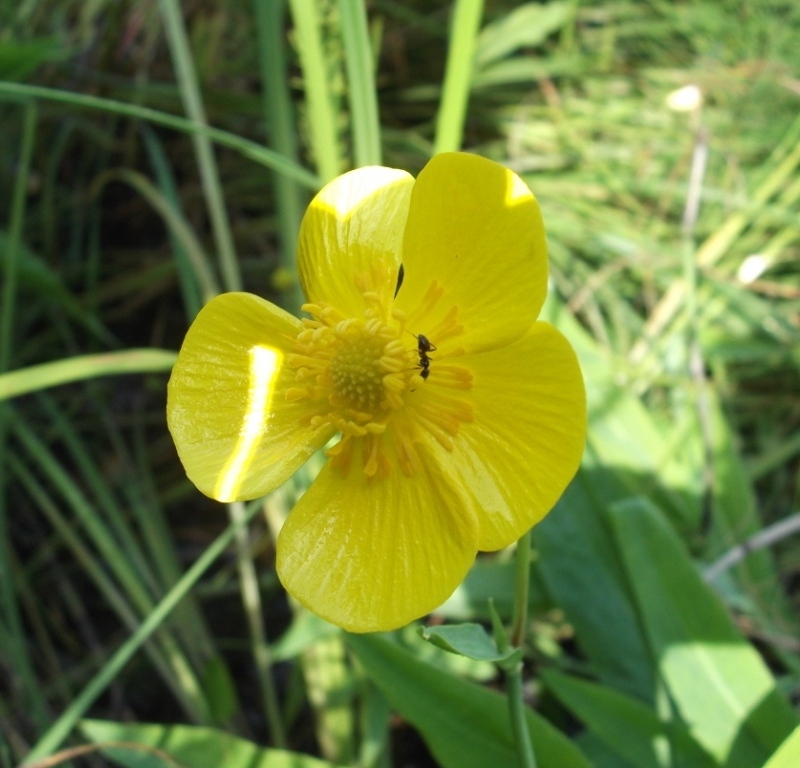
(347, 193)
(264, 367)
(517, 191)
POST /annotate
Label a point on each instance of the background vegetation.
(129, 604)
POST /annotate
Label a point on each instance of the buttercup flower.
(459, 418)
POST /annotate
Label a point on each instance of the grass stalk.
(193, 103)
(280, 120)
(175, 223)
(250, 149)
(251, 599)
(184, 682)
(458, 76)
(45, 375)
(70, 717)
(322, 118)
(86, 558)
(168, 191)
(360, 64)
(10, 613)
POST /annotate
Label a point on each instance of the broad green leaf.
(719, 684)
(189, 746)
(630, 728)
(462, 723)
(470, 640)
(788, 754)
(578, 559)
(581, 569)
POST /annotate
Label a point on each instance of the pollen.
(356, 372)
(362, 375)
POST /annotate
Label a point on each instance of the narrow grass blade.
(281, 128)
(249, 149)
(175, 222)
(9, 605)
(165, 181)
(193, 103)
(458, 75)
(67, 721)
(322, 117)
(361, 83)
(46, 375)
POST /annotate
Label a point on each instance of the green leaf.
(630, 728)
(470, 640)
(788, 754)
(526, 26)
(161, 746)
(719, 684)
(462, 723)
(581, 568)
(19, 58)
(219, 689)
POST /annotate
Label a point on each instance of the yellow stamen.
(361, 374)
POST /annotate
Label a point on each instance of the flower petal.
(528, 434)
(475, 228)
(353, 230)
(236, 435)
(371, 556)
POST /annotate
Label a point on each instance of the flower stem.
(519, 725)
(516, 702)
(521, 585)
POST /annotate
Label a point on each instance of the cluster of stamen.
(357, 373)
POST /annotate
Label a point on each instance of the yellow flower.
(460, 418)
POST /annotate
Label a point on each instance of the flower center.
(362, 377)
(357, 369)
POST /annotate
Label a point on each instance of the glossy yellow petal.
(475, 229)
(373, 555)
(528, 434)
(351, 238)
(235, 432)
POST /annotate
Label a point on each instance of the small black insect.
(423, 347)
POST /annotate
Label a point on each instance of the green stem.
(458, 75)
(361, 83)
(212, 187)
(251, 599)
(519, 724)
(290, 197)
(322, 117)
(516, 702)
